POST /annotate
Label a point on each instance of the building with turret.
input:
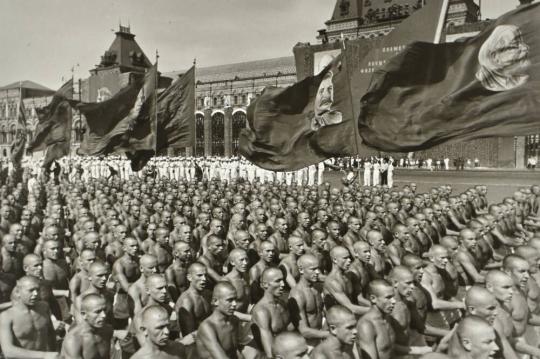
(224, 92)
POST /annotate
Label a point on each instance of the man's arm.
(186, 320)
(207, 336)
(342, 299)
(470, 268)
(262, 321)
(133, 292)
(366, 346)
(288, 275)
(74, 287)
(394, 255)
(72, 348)
(436, 302)
(297, 306)
(119, 275)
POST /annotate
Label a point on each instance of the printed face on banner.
(324, 115)
(503, 59)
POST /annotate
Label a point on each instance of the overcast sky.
(41, 40)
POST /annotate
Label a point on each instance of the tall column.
(227, 133)
(520, 152)
(208, 132)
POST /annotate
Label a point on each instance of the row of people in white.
(373, 172)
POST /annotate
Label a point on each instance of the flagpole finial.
(194, 61)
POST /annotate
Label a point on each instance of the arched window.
(12, 131)
(199, 135)
(244, 99)
(238, 123)
(215, 101)
(218, 134)
(236, 99)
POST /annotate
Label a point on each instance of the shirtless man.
(379, 256)
(305, 303)
(148, 265)
(125, 272)
(238, 277)
(406, 330)
(217, 336)
(98, 274)
(303, 228)
(155, 328)
(161, 250)
(338, 288)
(466, 263)
(481, 303)
(33, 267)
(216, 230)
(193, 306)
(288, 264)
(270, 316)
(436, 280)
(56, 273)
(80, 281)
(267, 255)
(361, 271)
(532, 256)
(501, 285)
(156, 288)
(176, 274)
(376, 337)
(353, 233)
(343, 335)
(26, 329)
(213, 258)
(90, 339)
(475, 338)
(290, 345)
(10, 257)
(396, 248)
(279, 237)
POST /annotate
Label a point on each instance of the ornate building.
(367, 19)
(34, 96)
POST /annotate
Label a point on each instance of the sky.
(42, 40)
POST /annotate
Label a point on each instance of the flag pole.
(348, 74)
(155, 107)
(194, 146)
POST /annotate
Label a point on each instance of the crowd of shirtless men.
(151, 267)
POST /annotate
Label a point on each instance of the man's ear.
(467, 344)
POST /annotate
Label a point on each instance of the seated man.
(193, 305)
(217, 336)
(343, 334)
(305, 303)
(92, 337)
(26, 329)
(270, 316)
(155, 328)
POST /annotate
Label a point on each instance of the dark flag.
(484, 86)
(176, 113)
(17, 147)
(299, 126)
(176, 119)
(123, 123)
(290, 128)
(53, 131)
(54, 120)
